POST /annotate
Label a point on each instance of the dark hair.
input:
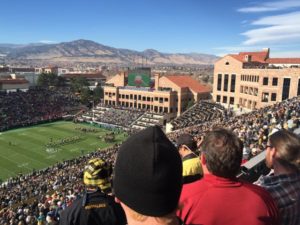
(223, 152)
(287, 145)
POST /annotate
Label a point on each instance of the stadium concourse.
(30, 199)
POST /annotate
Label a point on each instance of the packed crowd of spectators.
(252, 128)
(19, 108)
(123, 117)
(42, 195)
(199, 113)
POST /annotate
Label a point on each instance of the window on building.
(265, 97)
(255, 91)
(273, 96)
(224, 99)
(227, 63)
(225, 88)
(232, 86)
(156, 99)
(131, 96)
(286, 88)
(166, 99)
(161, 100)
(242, 89)
(231, 100)
(218, 98)
(275, 81)
(250, 91)
(219, 85)
(265, 81)
(139, 97)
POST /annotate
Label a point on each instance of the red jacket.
(215, 200)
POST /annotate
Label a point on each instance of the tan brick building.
(169, 95)
(253, 80)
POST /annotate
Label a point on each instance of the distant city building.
(169, 95)
(11, 83)
(253, 80)
(27, 73)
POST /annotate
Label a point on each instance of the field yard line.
(32, 159)
(7, 159)
(11, 173)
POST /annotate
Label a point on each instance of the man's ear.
(117, 200)
(202, 159)
(273, 152)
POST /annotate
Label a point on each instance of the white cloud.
(271, 6)
(278, 29)
(47, 42)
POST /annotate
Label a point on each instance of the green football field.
(37, 147)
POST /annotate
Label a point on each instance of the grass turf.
(24, 149)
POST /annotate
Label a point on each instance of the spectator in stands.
(283, 155)
(148, 178)
(219, 198)
(95, 207)
(191, 167)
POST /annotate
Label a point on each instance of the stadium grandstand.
(30, 198)
(132, 101)
(18, 109)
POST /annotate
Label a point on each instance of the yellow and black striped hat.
(97, 173)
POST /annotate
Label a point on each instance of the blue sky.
(178, 26)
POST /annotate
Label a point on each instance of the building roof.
(259, 57)
(263, 57)
(86, 75)
(284, 60)
(14, 81)
(187, 81)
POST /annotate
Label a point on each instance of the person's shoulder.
(73, 206)
(260, 192)
(194, 188)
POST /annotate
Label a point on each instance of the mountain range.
(86, 51)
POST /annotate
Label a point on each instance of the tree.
(190, 103)
(98, 94)
(61, 81)
(50, 79)
(78, 83)
(85, 95)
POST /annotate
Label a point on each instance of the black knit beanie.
(148, 173)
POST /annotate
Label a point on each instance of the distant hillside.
(92, 52)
